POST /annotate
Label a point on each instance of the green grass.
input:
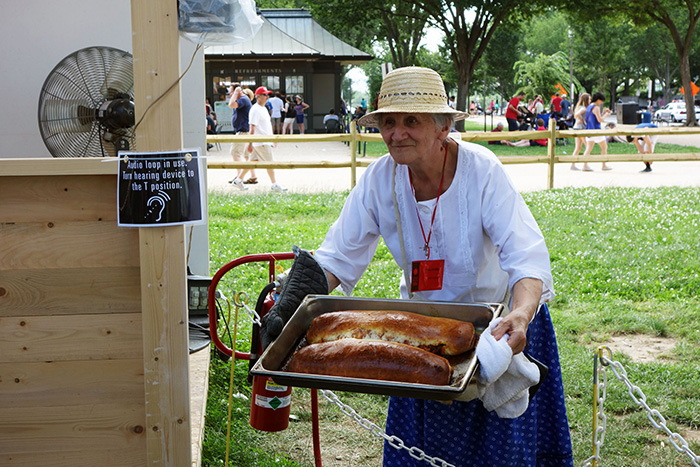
(377, 149)
(625, 261)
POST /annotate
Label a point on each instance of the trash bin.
(627, 113)
(646, 117)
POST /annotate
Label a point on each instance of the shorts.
(276, 120)
(300, 118)
(239, 149)
(288, 120)
(596, 139)
(261, 153)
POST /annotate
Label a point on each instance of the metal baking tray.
(273, 361)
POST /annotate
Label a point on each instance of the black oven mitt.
(306, 277)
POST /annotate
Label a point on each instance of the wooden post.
(353, 154)
(551, 146)
(156, 50)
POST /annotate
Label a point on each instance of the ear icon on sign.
(156, 205)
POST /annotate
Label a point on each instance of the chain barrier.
(240, 300)
(639, 398)
(393, 441)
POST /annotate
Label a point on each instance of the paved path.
(527, 177)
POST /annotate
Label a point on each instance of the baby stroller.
(526, 121)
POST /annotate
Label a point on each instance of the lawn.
(564, 147)
(626, 265)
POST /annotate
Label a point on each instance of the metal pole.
(353, 153)
(598, 353)
(571, 66)
(551, 146)
(484, 106)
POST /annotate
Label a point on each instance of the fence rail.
(551, 158)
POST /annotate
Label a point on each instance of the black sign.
(160, 188)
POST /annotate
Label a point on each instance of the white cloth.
(260, 117)
(277, 105)
(505, 379)
(483, 230)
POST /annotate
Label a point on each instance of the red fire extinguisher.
(270, 402)
(269, 405)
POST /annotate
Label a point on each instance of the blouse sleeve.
(514, 232)
(352, 240)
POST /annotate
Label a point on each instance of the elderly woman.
(442, 202)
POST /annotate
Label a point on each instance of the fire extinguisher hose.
(230, 385)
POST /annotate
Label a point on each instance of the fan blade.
(67, 116)
(119, 77)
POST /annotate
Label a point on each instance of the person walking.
(580, 124)
(241, 105)
(594, 118)
(300, 107)
(260, 124)
(645, 144)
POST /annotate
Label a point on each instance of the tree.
(503, 50)
(542, 75)
(404, 24)
(601, 48)
(679, 17)
(468, 27)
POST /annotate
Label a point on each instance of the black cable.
(255, 339)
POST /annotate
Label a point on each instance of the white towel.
(505, 379)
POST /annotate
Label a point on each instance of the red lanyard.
(426, 248)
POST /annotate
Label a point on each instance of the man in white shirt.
(260, 124)
(277, 103)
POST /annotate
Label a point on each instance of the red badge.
(427, 275)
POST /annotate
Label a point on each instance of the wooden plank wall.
(71, 345)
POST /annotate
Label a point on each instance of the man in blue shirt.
(240, 103)
(645, 144)
(565, 106)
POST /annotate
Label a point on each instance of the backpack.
(291, 112)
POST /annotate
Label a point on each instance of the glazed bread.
(369, 359)
(441, 336)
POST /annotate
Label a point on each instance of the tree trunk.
(463, 82)
(687, 89)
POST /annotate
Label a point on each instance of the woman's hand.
(526, 299)
(515, 325)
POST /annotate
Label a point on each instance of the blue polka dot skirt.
(466, 434)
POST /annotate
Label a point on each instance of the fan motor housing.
(116, 114)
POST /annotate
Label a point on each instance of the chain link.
(240, 300)
(639, 398)
(393, 441)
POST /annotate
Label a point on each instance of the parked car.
(674, 112)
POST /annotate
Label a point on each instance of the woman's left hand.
(515, 325)
(526, 299)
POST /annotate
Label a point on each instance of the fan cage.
(71, 95)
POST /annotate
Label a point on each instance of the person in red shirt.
(531, 142)
(512, 111)
(556, 106)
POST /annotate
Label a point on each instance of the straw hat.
(411, 90)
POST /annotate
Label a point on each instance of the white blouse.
(483, 230)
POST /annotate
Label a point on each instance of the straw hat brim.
(372, 119)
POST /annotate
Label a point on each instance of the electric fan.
(86, 105)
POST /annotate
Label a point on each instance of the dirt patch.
(642, 348)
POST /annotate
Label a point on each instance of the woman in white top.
(580, 124)
(448, 208)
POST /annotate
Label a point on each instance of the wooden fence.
(551, 158)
